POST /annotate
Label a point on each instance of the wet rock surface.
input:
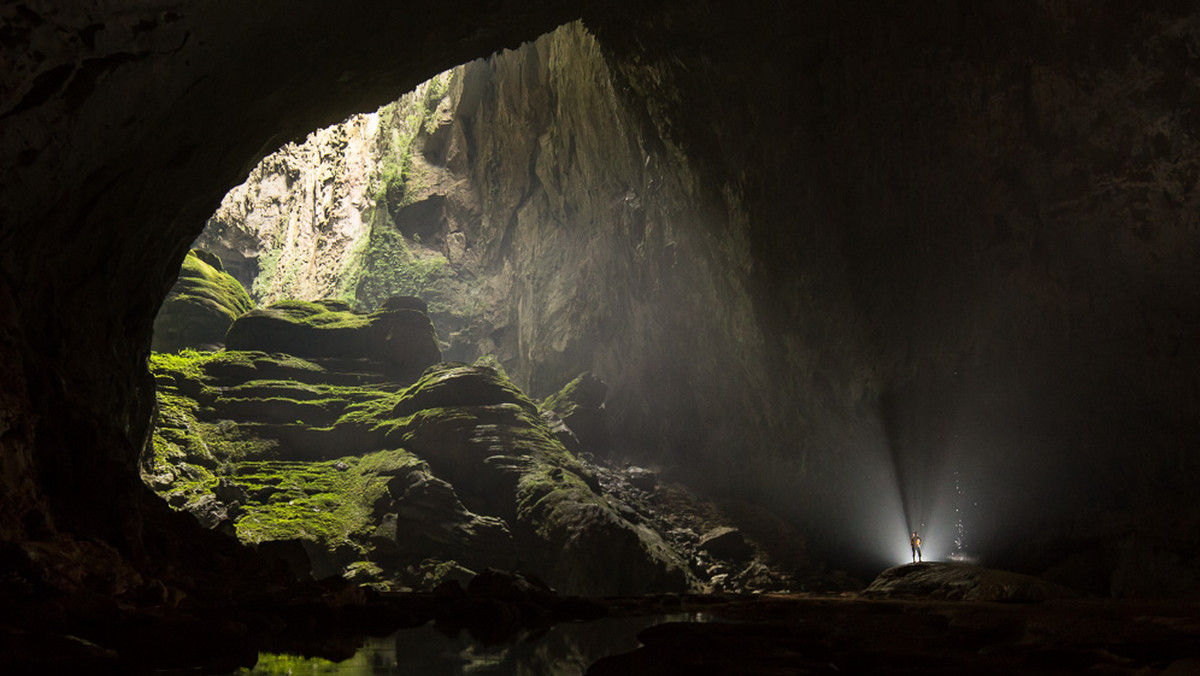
(738, 634)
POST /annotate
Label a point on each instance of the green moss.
(489, 361)
(563, 402)
(201, 305)
(384, 265)
(268, 264)
(435, 91)
(185, 364)
(270, 664)
(546, 493)
(328, 502)
(202, 282)
(245, 365)
(459, 384)
(370, 412)
(328, 314)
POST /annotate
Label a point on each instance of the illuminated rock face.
(567, 238)
(964, 235)
(122, 129)
(200, 307)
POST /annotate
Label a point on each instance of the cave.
(869, 269)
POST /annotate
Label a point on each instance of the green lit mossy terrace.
(335, 459)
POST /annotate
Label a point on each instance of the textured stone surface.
(400, 487)
(136, 117)
(486, 438)
(570, 236)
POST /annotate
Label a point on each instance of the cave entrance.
(385, 357)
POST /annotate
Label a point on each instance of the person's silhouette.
(915, 541)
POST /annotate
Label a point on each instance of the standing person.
(915, 541)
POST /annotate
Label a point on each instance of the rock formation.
(962, 582)
(320, 443)
(200, 307)
(398, 336)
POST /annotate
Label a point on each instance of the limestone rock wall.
(288, 231)
(122, 127)
(974, 250)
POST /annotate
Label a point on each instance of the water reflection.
(568, 648)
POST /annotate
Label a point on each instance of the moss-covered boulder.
(504, 460)
(393, 485)
(398, 337)
(580, 406)
(324, 488)
(201, 306)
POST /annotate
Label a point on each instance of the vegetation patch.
(384, 265)
(324, 314)
(328, 502)
(201, 305)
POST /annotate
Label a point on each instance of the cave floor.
(807, 634)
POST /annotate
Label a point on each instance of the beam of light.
(902, 483)
(882, 517)
(917, 488)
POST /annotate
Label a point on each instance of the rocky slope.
(342, 464)
(337, 462)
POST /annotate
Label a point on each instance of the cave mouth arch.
(551, 238)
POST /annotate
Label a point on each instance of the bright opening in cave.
(439, 347)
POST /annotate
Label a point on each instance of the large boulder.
(580, 406)
(421, 517)
(962, 582)
(398, 337)
(484, 436)
(726, 543)
(201, 306)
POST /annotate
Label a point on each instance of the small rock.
(641, 478)
(726, 543)
(683, 535)
(208, 510)
(227, 491)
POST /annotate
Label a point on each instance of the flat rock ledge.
(962, 582)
